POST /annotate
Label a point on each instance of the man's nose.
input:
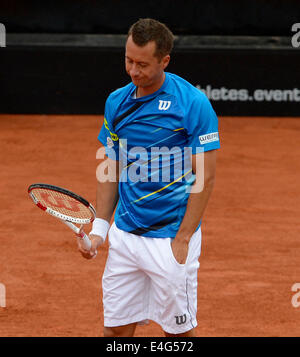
(134, 71)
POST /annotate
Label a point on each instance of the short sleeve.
(107, 136)
(201, 124)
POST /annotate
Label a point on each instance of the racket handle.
(86, 242)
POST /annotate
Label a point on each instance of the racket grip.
(86, 242)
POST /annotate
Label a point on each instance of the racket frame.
(69, 221)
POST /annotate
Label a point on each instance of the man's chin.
(137, 82)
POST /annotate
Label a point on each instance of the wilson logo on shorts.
(180, 320)
(164, 104)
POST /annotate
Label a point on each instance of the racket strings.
(62, 203)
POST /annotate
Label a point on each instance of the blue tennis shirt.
(153, 138)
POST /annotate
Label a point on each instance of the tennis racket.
(64, 205)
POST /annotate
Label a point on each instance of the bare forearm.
(197, 202)
(107, 191)
(107, 199)
(196, 205)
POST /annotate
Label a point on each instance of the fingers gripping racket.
(64, 205)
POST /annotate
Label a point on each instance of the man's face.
(142, 66)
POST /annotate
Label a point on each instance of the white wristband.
(100, 228)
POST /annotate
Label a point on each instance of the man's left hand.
(180, 248)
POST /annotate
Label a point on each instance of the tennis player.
(155, 239)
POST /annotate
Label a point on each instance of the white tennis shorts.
(143, 281)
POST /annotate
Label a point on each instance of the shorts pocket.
(172, 255)
(113, 240)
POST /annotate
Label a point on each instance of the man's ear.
(166, 61)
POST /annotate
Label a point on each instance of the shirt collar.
(132, 95)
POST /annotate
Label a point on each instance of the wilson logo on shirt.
(164, 104)
(209, 138)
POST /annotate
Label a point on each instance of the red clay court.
(250, 251)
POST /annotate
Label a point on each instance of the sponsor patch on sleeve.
(109, 142)
(208, 138)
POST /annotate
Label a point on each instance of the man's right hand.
(96, 242)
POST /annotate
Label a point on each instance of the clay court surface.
(250, 252)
